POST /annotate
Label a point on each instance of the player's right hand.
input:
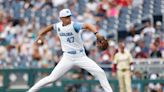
(39, 41)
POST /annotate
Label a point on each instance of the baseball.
(40, 41)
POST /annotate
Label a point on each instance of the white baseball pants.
(66, 63)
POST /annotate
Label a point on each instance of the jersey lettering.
(66, 34)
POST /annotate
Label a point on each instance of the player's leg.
(121, 81)
(128, 81)
(89, 65)
(62, 67)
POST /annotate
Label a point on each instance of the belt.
(123, 70)
(75, 52)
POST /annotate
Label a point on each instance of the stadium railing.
(31, 81)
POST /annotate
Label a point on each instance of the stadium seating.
(127, 15)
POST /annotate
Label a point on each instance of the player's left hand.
(101, 42)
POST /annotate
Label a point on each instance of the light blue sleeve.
(77, 26)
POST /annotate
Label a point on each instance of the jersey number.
(70, 39)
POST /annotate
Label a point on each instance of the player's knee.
(53, 77)
(102, 72)
(50, 78)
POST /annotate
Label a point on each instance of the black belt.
(123, 70)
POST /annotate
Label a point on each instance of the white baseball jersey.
(70, 36)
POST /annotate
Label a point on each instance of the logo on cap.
(67, 11)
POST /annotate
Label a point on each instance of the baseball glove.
(102, 43)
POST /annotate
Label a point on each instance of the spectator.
(129, 43)
(1, 21)
(132, 32)
(27, 4)
(158, 28)
(113, 10)
(21, 28)
(132, 38)
(92, 5)
(156, 53)
(140, 50)
(124, 3)
(148, 33)
(35, 56)
(47, 4)
(103, 6)
(154, 87)
(37, 4)
(137, 75)
(143, 47)
(58, 2)
(3, 53)
(106, 57)
(112, 49)
(139, 54)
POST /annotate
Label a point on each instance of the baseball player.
(69, 33)
(122, 63)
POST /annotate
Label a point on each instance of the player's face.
(121, 45)
(66, 20)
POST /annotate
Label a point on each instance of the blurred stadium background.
(140, 23)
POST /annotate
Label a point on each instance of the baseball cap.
(65, 13)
